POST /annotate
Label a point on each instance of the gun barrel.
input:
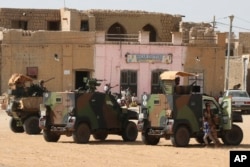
(100, 79)
(49, 79)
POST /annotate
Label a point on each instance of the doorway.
(79, 75)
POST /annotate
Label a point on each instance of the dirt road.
(24, 150)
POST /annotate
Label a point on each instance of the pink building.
(136, 65)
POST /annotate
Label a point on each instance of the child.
(207, 132)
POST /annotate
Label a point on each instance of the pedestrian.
(207, 132)
(134, 100)
(208, 115)
(107, 88)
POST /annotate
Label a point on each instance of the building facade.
(123, 48)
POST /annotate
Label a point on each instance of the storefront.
(135, 67)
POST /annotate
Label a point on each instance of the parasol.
(171, 75)
(18, 78)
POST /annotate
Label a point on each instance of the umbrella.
(18, 78)
(171, 75)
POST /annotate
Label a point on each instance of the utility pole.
(214, 23)
(64, 4)
(228, 54)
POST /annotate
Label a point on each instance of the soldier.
(41, 85)
(20, 89)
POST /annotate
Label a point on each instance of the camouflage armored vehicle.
(177, 114)
(22, 104)
(84, 113)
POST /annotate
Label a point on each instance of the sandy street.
(24, 150)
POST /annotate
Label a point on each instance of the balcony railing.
(122, 37)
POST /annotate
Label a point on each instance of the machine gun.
(90, 84)
(108, 87)
(37, 90)
(49, 79)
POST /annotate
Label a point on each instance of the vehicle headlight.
(42, 110)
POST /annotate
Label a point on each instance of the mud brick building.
(70, 44)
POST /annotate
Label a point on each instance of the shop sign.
(149, 58)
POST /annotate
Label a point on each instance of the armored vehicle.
(22, 104)
(177, 114)
(83, 113)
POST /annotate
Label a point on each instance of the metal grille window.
(129, 80)
(133, 77)
(124, 77)
(84, 25)
(155, 81)
(155, 78)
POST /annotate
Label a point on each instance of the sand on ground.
(20, 149)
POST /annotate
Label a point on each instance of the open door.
(227, 113)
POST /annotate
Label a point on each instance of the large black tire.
(130, 132)
(148, 139)
(181, 137)
(233, 136)
(14, 126)
(82, 134)
(31, 125)
(50, 136)
(100, 135)
(199, 139)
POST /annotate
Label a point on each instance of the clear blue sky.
(194, 10)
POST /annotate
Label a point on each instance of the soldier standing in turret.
(42, 87)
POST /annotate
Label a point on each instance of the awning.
(171, 75)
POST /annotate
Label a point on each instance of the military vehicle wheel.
(14, 126)
(82, 134)
(50, 136)
(233, 136)
(100, 135)
(31, 125)
(130, 132)
(149, 140)
(181, 137)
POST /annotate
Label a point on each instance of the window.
(18, 24)
(129, 80)
(116, 32)
(84, 25)
(53, 25)
(32, 72)
(152, 32)
(124, 77)
(155, 81)
(213, 106)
